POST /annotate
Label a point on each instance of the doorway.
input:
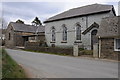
(94, 38)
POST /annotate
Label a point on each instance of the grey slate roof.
(109, 27)
(26, 28)
(41, 29)
(80, 11)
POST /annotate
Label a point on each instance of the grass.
(10, 69)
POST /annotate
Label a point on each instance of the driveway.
(43, 65)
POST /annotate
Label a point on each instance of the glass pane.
(117, 43)
(64, 33)
(53, 35)
(78, 33)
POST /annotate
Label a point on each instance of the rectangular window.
(117, 44)
(9, 36)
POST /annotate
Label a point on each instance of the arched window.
(64, 33)
(53, 33)
(78, 32)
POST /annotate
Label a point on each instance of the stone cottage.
(77, 26)
(109, 37)
(17, 34)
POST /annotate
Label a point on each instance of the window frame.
(64, 33)
(115, 42)
(76, 31)
(53, 35)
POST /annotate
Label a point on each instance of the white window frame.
(115, 45)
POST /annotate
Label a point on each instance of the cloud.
(96, 1)
(28, 10)
(17, 11)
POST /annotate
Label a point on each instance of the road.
(43, 65)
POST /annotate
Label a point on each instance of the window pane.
(53, 34)
(117, 43)
(64, 33)
(78, 33)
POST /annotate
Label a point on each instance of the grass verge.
(10, 69)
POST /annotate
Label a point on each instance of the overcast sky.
(27, 11)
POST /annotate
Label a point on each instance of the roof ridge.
(83, 10)
(89, 5)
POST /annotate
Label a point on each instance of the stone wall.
(63, 51)
(19, 40)
(9, 41)
(107, 49)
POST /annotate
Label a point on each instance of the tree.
(20, 21)
(36, 22)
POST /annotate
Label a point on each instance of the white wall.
(71, 24)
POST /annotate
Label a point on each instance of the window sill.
(78, 41)
(63, 41)
(117, 50)
(52, 42)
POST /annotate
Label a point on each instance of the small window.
(117, 45)
(9, 36)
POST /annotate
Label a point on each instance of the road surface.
(43, 65)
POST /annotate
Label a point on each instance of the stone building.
(17, 34)
(76, 26)
(109, 37)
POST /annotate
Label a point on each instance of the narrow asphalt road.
(53, 66)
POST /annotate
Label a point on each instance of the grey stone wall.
(9, 42)
(63, 51)
(107, 49)
(19, 40)
(41, 37)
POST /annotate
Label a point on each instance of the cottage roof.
(26, 28)
(109, 27)
(80, 11)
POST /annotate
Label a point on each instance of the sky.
(13, 10)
